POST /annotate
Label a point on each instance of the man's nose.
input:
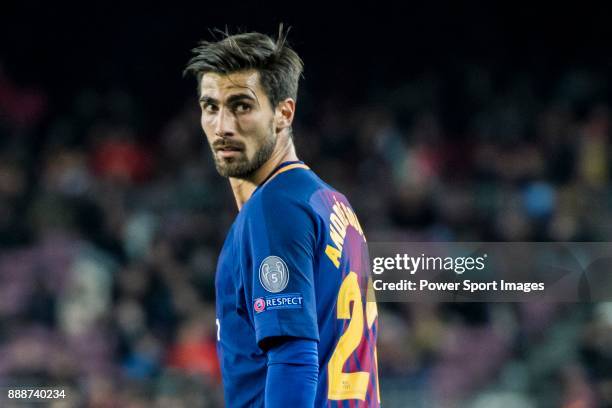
(225, 123)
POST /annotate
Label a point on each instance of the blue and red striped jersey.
(295, 263)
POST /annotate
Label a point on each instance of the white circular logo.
(273, 274)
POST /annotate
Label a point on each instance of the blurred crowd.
(109, 235)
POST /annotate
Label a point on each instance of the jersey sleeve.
(279, 281)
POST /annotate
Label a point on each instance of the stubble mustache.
(224, 144)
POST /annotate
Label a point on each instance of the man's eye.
(209, 108)
(242, 108)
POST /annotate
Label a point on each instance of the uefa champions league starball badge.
(273, 274)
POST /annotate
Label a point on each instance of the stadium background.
(438, 121)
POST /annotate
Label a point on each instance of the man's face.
(238, 122)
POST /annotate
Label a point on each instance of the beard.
(241, 167)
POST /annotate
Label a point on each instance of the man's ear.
(285, 111)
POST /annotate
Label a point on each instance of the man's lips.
(227, 152)
(229, 149)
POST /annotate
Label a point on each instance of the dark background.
(348, 49)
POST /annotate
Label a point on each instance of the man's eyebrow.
(231, 99)
(208, 99)
(240, 96)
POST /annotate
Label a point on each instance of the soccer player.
(294, 326)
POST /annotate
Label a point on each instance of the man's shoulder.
(289, 197)
(292, 187)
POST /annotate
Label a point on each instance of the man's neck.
(243, 188)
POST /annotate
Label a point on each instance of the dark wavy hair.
(279, 67)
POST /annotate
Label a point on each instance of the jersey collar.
(281, 168)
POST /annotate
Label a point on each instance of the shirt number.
(354, 385)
